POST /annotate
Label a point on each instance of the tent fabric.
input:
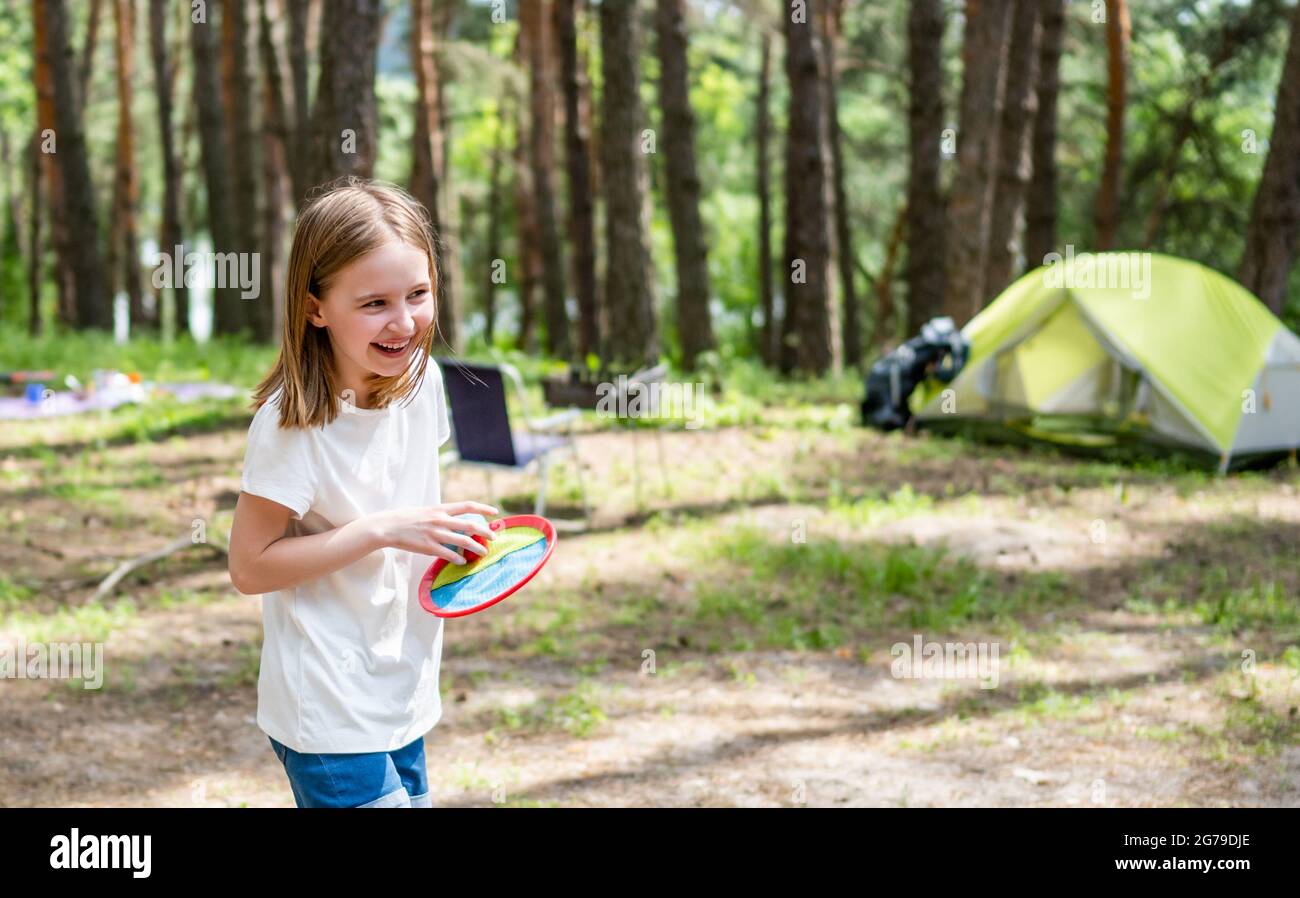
(1138, 339)
(1277, 380)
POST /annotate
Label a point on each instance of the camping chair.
(645, 376)
(484, 436)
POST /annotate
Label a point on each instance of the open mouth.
(393, 349)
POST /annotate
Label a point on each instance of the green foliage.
(222, 359)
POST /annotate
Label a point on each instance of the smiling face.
(376, 310)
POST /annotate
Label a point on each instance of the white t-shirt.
(350, 660)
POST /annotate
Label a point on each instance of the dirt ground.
(1153, 672)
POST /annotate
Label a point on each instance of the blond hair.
(349, 218)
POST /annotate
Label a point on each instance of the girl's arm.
(263, 559)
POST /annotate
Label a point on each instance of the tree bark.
(633, 338)
(239, 102)
(527, 245)
(771, 328)
(87, 66)
(970, 205)
(345, 114)
(694, 328)
(123, 251)
(535, 26)
(300, 66)
(851, 332)
(1040, 205)
(227, 308)
(170, 235)
(275, 176)
(1275, 216)
(48, 165)
(79, 251)
(577, 141)
(885, 283)
(1118, 31)
(1015, 147)
(453, 309)
(493, 241)
(427, 156)
(926, 279)
(806, 330)
(35, 251)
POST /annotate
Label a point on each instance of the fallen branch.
(217, 539)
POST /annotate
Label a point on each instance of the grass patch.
(92, 622)
(13, 594)
(872, 510)
(247, 665)
(577, 712)
(817, 595)
(1257, 727)
(150, 422)
(1259, 606)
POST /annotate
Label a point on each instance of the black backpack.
(893, 377)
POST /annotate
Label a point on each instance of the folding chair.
(484, 437)
(645, 376)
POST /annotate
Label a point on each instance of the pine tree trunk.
(885, 283)
(770, 327)
(493, 242)
(1118, 29)
(345, 115)
(123, 251)
(453, 309)
(1275, 217)
(47, 163)
(300, 142)
(427, 155)
(844, 256)
(170, 236)
(227, 308)
(633, 338)
(11, 243)
(535, 26)
(970, 204)
(529, 265)
(577, 140)
(1041, 203)
(807, 344)
(1015, 147)
(275, 176)
(239, 102)
(694, 328)
(79, 250)
(925, 203)
(87, 67)
(35, 251)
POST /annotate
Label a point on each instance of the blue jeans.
(380, 779)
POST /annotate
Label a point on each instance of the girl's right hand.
(424, 530)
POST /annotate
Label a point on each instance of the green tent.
(1095, 347)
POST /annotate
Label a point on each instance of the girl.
(340, 511)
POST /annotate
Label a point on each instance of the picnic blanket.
(67, 402)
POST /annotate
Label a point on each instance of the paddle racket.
(524, 542)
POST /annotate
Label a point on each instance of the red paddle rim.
(518, 520)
